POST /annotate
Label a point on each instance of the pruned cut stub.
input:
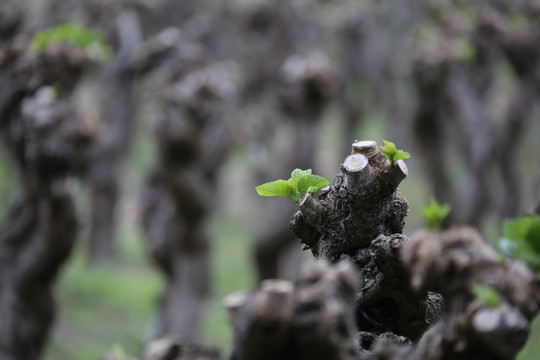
(363, 203)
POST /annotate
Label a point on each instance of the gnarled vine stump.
(381, 306)
(46, 142)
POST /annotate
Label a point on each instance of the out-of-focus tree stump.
(451, 263)
(168, 349)
(47, 143)
(314, 320)
(308, 84)
(193, 139)
(118, 102)
(456, 81)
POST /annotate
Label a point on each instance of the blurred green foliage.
(487, 294)
(434, 213)
(89, 40)
(521, 240)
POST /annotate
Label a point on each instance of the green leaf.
(434, 213)
(305, 181)
(89, 40)
(533, 235)
(521, 240)
(485, 293)
(392, 153)
(401, 155)
(389, 149)
(276, 188)
(301, 182)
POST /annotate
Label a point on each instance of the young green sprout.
(486, 294)
(301, 182)
(434, 213)
(392, 153)
(521, 240)
(89, 40)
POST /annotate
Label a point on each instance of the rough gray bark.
(193, 140)
(362, 203)
(474, 127)
(450, 263)
(313, 320)
(429, 129)
(168, 349)
(46, 143)
(118, 103)
(361, 216)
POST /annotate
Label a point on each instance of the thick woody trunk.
(46, 142)
(313, 320)
(451, 262)
(174, 223)
(36, 237)
(429, 130)
(193, 139)
(118, 103)
(361, 217)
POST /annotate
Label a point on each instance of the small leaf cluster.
(392, 153)
(301, 182)
(434, 213)
(73, 34)
(485, 293)
(521, 240)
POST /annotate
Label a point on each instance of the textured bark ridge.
(361, 217)
(194, 139)
(362, 204)
(46, 142)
